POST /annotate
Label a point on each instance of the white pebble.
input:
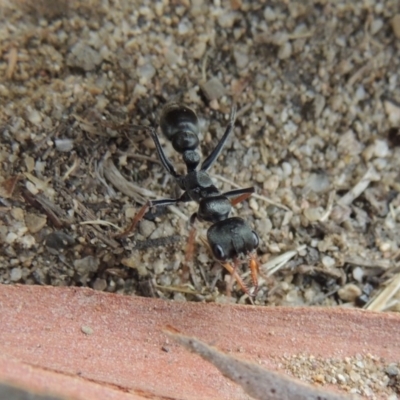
(269, 14)
(16, 274)
(376, 26)
(227, 19)
(381, 148)
(241, 59)
(64, 145)
(313, 213)
(358, 274)
(287, 169)
(395, 22)
(158, 267)
(146, 71)
(253, 204)
(328, 262)
(11, 238)
(34, 116)
(285, 51)
(271, 183)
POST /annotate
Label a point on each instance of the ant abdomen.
(180, 125)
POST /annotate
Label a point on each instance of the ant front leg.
(254, 270)
(210, 160)
(232, 269)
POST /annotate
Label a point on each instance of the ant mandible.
(230, 238)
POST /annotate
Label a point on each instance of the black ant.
(229, 237)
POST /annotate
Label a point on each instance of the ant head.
(230, 238)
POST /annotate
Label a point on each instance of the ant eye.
(256, 239)
(219, 252)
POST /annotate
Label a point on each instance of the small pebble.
(313, 213)
(34, 116)
(358, 274)
(354, 376)
(87, 330)
(381, 148)
(328, 262)
(393, 112)
(349, 292)
(146, 227)
(84, 56)
(227, 19)
(285, 51)
(376, 26)
(11, 238)
(392, 370)
(341, 378)
(241, 59)
(86, 265)
(64, 145)
(395, 22)
(213, 89)
(100, 284)
(16, 274)
(146, 71)
(159, 267)
(17, 213)
(35, 222)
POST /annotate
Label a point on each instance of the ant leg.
(190, 247)
(233, 271)
(209, 161)
(135, 221)
(191, 239)
(166, 163)
(138, 217)
(242, 194)
(254, 269)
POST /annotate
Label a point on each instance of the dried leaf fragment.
(7, 187)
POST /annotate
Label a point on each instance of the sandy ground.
(317, 133)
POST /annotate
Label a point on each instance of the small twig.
(112, 174)
(176, 289)
(329, 206)
(12, 62)
(368, 263)
(100, 222)
(380, 301)
(140, 157)
(301, 35)
(86, 215)
(278, 262)
(52, 211)
(370, 176)
(72, 169)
